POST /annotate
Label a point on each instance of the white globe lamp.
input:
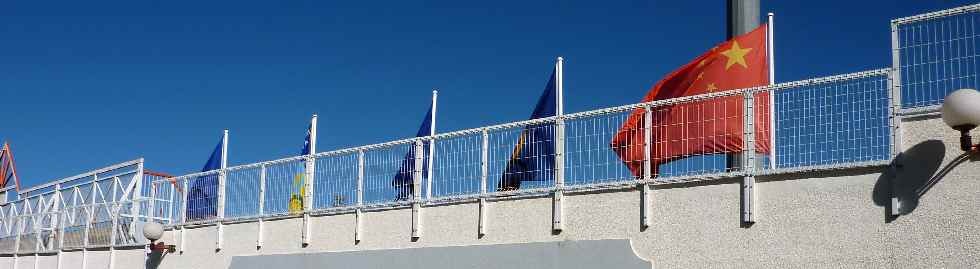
(961, 111)
(152, 231)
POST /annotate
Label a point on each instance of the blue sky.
(88, 84)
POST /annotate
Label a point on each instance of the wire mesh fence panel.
(8, 226)
(692, 138)
(7, 244)
(521, 157)
(284, 187)
(590, 153)
(165, 200)
(46, 221)
(456, 168)
(179, 208)
(100, 230)
(389, 172)
(27, 243)
(833, 122)
(126, 230)
(202, 197)
(123, 217)
(75, 215)
(763, 122)
(26, 226)
(335, 181)
(49, 232)
(938, 55)
(142, 197)
(242, 192)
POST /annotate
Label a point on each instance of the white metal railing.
(835, 122)
(100, 208)
(934, 54)
(848, 116)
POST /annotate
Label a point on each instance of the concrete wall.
(829, 219)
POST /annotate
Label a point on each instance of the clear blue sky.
(91, 83)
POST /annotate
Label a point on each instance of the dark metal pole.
(743, 16)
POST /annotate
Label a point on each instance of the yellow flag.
(296, 198)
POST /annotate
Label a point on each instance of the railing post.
(151, 215)
(647, 167)
(360, 196)
(170, 203)
(57, 222)
(60, 224)
(183, 215)
(484, 170)
(895, 106)
(307, 197)
(558, 216)
(136, 201)
(114, 212)
(259, 239)
(222, 176)
(748, 163)
(416, 190)
(430, 167)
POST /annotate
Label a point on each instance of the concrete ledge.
(545, 255)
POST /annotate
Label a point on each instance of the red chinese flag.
(709, 126)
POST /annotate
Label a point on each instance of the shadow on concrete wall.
(911, 175)
(154, 259)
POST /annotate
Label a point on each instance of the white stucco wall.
(72, 259)
(26, 261)
(829, 219)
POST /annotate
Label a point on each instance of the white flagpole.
(432, 145)
(224, 150)
(313, 135)
(772, 94)
(559, 87)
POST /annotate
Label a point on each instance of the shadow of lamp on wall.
(916, 170)
(900, 186)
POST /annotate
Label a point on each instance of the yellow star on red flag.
(736, 55)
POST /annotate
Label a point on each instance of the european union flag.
(202, 197)
(403, 180)
(533, 158)
(306, 143)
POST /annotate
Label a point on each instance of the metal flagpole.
(559, 86)
(313, 134)
(432, 145)
(772, 94)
